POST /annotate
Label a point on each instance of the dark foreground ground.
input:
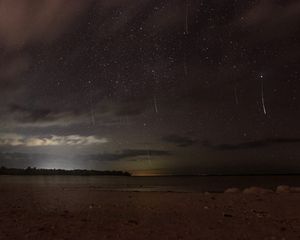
(87, 213)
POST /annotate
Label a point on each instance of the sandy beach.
(87, 213)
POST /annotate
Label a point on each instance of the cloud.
(252, 144)
(19, 156)
(52, 140)
(43, 116)
(180, 141)
(31, 114)
(27, 21)
(127, 153)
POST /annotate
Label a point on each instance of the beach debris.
(283, 189)
(256, 190)
(232, 190)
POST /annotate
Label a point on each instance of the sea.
(157, 183)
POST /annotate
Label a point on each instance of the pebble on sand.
(287, 189)
(256, 190)
(232, 190)
(283, 189)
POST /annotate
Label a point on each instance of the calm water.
(180, 184)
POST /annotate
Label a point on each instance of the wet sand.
(28, 212)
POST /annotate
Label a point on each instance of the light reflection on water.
(177, 184)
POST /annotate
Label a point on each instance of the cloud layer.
(52, 140)
(128, 154)
(180, 141)
(253, 144)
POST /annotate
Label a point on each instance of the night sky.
(152, 86)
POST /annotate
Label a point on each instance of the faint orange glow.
(149, 173)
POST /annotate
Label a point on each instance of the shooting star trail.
(93, 120)
(262, 96)
(155, 104)
(187, 17)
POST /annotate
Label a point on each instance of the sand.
(87, 213)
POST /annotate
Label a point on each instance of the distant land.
(48, 172)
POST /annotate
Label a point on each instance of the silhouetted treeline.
(76, 172)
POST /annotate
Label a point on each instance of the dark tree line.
(48, 172)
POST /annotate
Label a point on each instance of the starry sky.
(151, 87)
